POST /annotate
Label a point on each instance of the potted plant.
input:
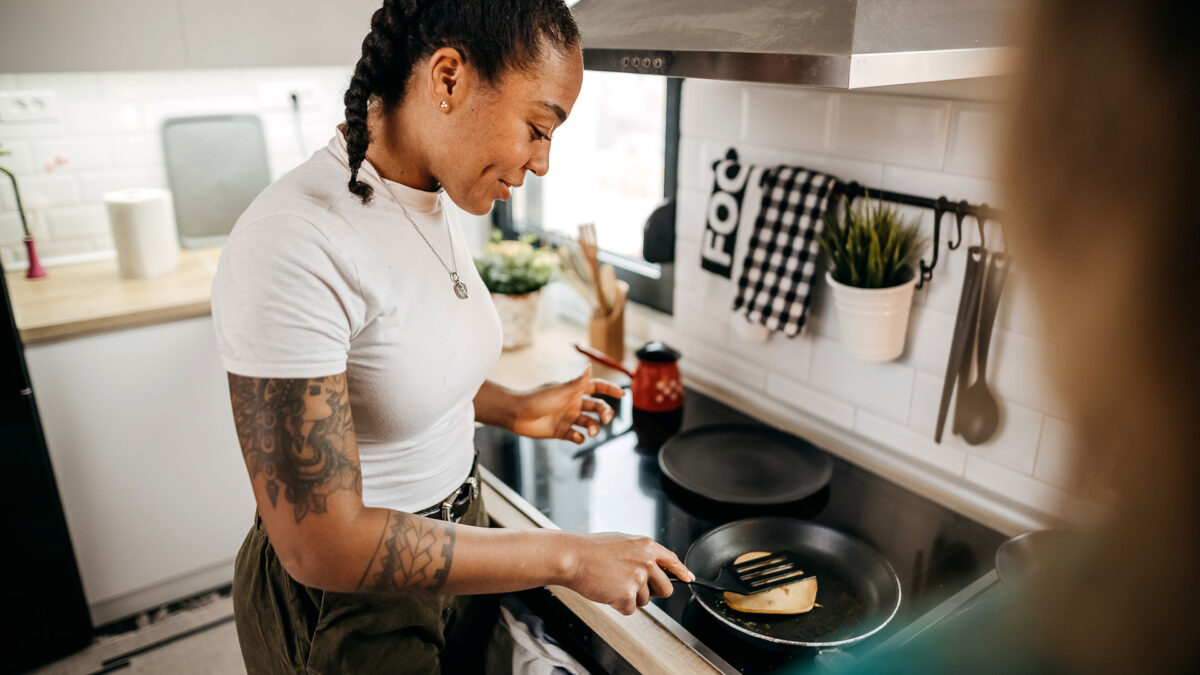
(515, 272)
(871, 255)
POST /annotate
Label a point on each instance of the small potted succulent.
(515, 272)
(871, 255)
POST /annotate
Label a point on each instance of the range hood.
(846, 44)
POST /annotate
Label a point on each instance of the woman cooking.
(358, 336)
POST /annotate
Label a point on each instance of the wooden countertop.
(86, 298)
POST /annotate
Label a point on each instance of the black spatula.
(754, 576)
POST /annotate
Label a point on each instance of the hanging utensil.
(968, 305)
(977, 415)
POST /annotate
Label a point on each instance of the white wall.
(922, 146)
(109, 134)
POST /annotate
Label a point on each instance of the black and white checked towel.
(777, 277)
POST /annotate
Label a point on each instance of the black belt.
(454, 507)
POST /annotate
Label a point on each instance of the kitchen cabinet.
(84, 35)
(141, 437)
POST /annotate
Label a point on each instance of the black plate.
(856, 586)
(744, 464)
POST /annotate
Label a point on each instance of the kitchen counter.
(88, 298)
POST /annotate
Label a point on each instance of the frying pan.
(857, 588)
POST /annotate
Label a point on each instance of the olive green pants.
(285, 627)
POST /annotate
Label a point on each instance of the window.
(611, 164)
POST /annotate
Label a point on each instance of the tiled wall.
(923, 146)
(108, 133)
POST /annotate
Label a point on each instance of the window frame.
(651, 284)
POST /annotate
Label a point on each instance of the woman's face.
(499, 131)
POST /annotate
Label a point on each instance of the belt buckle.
(448, 504)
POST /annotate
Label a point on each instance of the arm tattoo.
(297, 432)
(413, 553)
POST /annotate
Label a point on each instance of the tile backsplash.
(107, 138)
(923, 146)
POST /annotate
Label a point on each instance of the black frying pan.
(856, 586)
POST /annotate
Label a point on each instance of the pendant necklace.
(460, 289)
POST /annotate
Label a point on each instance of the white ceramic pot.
(873, 322)
(517, 317)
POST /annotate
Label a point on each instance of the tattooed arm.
(297, 438)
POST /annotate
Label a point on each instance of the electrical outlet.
(29, 106)
(279, 95)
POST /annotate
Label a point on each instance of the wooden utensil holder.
(606, 332)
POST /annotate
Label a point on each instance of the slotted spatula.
(754, 576)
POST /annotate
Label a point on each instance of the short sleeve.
(285, 301)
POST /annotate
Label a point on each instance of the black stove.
(613, 484)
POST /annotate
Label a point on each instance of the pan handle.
(601, 357)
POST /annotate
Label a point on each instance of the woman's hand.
(555, 410)
(620, 570)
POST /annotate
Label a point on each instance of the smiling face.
(490, 134)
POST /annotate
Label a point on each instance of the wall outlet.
(276, 95)
(29, 106)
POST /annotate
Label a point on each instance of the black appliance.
(46, 614)
(610, 484)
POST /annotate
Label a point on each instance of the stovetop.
(611, 484)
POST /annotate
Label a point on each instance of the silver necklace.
(460, 289)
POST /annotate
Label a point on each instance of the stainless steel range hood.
(830, 43)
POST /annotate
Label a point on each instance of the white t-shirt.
(312, 283)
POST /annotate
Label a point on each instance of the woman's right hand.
(621, 570)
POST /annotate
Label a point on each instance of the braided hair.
(494, 36)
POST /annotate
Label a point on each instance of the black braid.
(495, 36)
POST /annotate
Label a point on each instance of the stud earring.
(444, 106)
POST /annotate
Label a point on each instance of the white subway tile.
(78, 221)
(8, 82)
(934, 184)
(716, 292)
(133, 85)
(699, 321)
(930, 332)
(1020, 488)
(78, 153)
(926, 398)
(49, 250)
(690, 214)
(821, 319)
(156, 112)
(1059, 460)
(787, 117)
(11, 232)
(869, 174)
(214, 83)
(908, 442)
(68, 86)
(96, 183)
(1017, 368)
(1018, 309)
(908, 131)
(883, 387)
(804, 397)
(12, 132)
(721, 363)
(711, 108)
(60, 189)
(102, 117)
(1015, 443)
(974, 135)
(140, 150)
(780, 354)
(21, 159)
(13, 255)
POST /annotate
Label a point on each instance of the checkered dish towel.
(777, 277)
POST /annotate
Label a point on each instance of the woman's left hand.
(560, 410)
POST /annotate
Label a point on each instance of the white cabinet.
(141, 437)
(87, 35)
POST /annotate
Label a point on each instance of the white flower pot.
(517, 316)
(873, 322)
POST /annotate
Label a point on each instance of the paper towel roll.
(143, 231)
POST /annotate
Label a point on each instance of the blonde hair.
(1102, 144)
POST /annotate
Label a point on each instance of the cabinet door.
(69, 35)
(223, 33)
(140, 432)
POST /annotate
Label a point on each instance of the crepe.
(796, 598)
